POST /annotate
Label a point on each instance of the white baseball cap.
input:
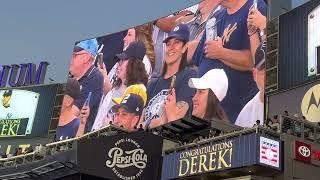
(215, 79)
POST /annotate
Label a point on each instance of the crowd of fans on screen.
(207, 61)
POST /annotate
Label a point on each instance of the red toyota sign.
(303, 152)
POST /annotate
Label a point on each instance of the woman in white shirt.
(130, 71)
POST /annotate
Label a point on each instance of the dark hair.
(135, 73)
(214, 109)
(7, 93)
(183, 62)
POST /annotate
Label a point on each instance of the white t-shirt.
(105, 106)
(251, 112)
(147, 65)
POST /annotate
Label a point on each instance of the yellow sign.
(310, 105)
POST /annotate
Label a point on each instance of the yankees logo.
(227, 33)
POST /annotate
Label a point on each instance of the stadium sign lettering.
(23, 74)
(123, 158)
(13, 127)
(205, 159)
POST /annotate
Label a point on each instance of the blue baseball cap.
(180, 32)
(90, 45)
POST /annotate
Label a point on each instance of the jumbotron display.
(203, 62)
(15, 117)
(26, 111)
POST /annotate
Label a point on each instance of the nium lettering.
(22, 75)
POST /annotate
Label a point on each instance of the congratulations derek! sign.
(124, 156)
(204, 159)
(215, 156)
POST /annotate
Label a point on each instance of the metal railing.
(298, 127)
(59, 146)
(258, 129)
(288, 125)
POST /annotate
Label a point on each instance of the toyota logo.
(304, 151)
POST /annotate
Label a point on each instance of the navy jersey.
(92, 81)
(68, 131)
(158, 90)
(232, 28)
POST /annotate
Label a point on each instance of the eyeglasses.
(75, 54)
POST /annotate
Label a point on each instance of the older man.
(82, 69)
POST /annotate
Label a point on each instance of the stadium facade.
(187, 148)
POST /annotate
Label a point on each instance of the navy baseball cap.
(132, 103)
(135, 49)
(180, 32)
(260, 56)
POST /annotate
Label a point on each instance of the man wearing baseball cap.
(128, 112)
(174, 73)
(211, 88)
(90, 79)
(254, 109)
(68, 123)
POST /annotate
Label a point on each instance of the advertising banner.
(125, 156)
(307, 153)
(231, 153)
(303, 101)
(269, 152)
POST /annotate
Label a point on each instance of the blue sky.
(34, 30)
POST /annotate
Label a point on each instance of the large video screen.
(14, 113)
(207, 60)
(26, 111)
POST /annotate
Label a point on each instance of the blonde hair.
(144, 34)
